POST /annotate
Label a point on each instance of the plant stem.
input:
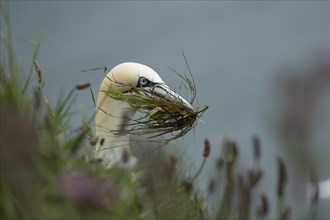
(200, 170)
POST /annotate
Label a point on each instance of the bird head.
(127, 76)
(113, 114)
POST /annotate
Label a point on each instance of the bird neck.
(111, 119)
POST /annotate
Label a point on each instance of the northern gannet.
(112, 116)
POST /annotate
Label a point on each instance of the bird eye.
(143, 81)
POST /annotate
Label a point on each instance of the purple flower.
(80, 186)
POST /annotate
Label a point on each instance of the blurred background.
(261, 67)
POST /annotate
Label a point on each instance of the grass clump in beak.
(160, 114)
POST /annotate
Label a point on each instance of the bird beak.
(165, 91)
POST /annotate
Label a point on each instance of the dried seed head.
(38, 71)
(241, 183)
(37, 98)
(282, 178)
(256, 147)
(315, 189)
(102, 141)
(168, 167)
(105, 69)
(254, 177)
(125, 156)
(49, 108)
(172, 159)
(231, 150)
(98, 161)
(93, 140)
(220, 163)
(235, 150)
(229, 172)
(262, 210)
(315, 192)
(188, 186)
(207, 148)
(82, 86)
(211, 187)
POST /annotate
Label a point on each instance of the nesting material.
(160, 115)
